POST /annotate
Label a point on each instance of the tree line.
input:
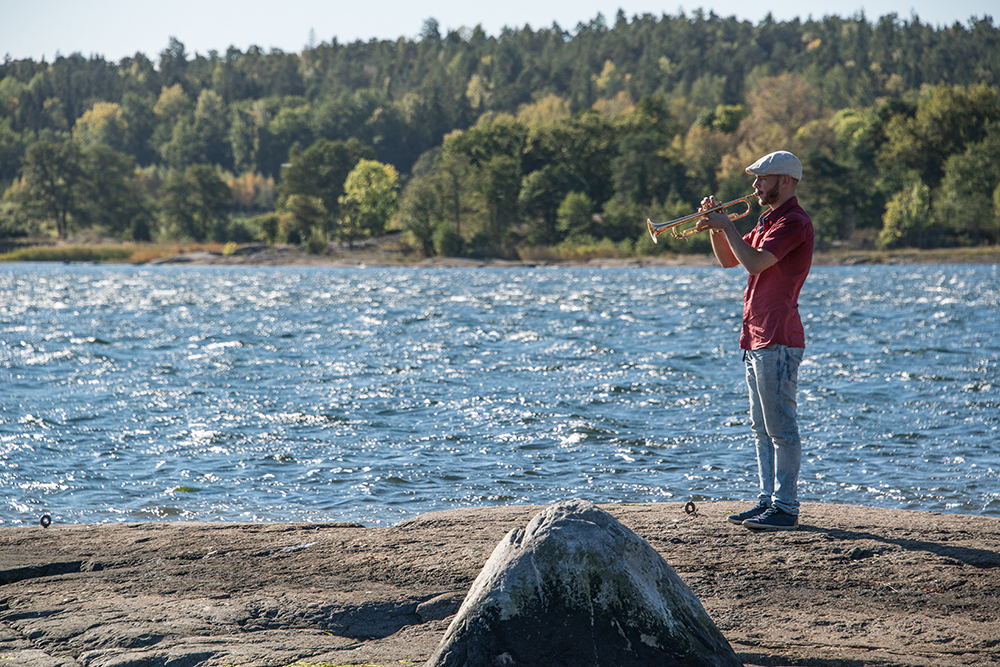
(527, 142)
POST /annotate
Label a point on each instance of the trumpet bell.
(657, 228)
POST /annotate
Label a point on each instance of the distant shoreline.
(376, 254)
(284, 256)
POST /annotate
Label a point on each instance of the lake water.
(375, 394)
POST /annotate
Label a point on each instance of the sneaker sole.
(764, 528)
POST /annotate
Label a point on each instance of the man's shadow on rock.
(767, 660)
(980, 558)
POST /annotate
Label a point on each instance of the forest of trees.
(530, 141)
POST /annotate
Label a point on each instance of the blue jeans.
(772, 377)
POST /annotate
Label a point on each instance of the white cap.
(778, 163)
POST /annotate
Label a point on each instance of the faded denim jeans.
(772, 377)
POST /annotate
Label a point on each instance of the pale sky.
(116, 29)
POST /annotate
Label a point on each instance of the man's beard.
(769, 197)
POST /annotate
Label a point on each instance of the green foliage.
(510, 125)
(269, 226)
(584, 248)
(89, 253)
(948, 118)
(194, 203)
(320, 171)
(489, 139)
(499, 184)
(436, 194)
(369, 200)
(110, 197)
(542, 195)
(52, 173)
(969, 199)
(586, 144)
(244, 230)
(104, 123)
(672, 210)
(211, 129)
(420, 212)
(12, 147)
(447, 242)
(317, 242)
(74, 187)
(576, 216)
(303, 214)
(646, 170)
(833, 196)
(725, 118)
(906, 217)
(621, 219)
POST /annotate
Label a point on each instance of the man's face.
(767, 188)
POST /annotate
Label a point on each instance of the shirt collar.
(768, 216)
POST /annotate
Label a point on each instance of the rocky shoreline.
(853, 586)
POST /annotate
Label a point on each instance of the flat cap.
(778, 163)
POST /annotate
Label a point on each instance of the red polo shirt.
(771, 299)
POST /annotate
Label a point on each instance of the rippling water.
(290, 394)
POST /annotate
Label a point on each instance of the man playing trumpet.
(777, 255)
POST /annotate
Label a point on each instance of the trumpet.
(657, 228)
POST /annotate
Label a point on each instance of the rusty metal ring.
(46, 521)
(690, 508)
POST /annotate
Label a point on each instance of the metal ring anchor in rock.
(690, 509)
(45, 521)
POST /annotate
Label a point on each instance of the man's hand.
(728, 246)
(716, 221)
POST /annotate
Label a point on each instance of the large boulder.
(576, 588)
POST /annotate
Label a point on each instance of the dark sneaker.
(773, 519)
(751, 513)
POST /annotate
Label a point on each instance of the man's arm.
(723, 251)
(730, 248)
(752, 259)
